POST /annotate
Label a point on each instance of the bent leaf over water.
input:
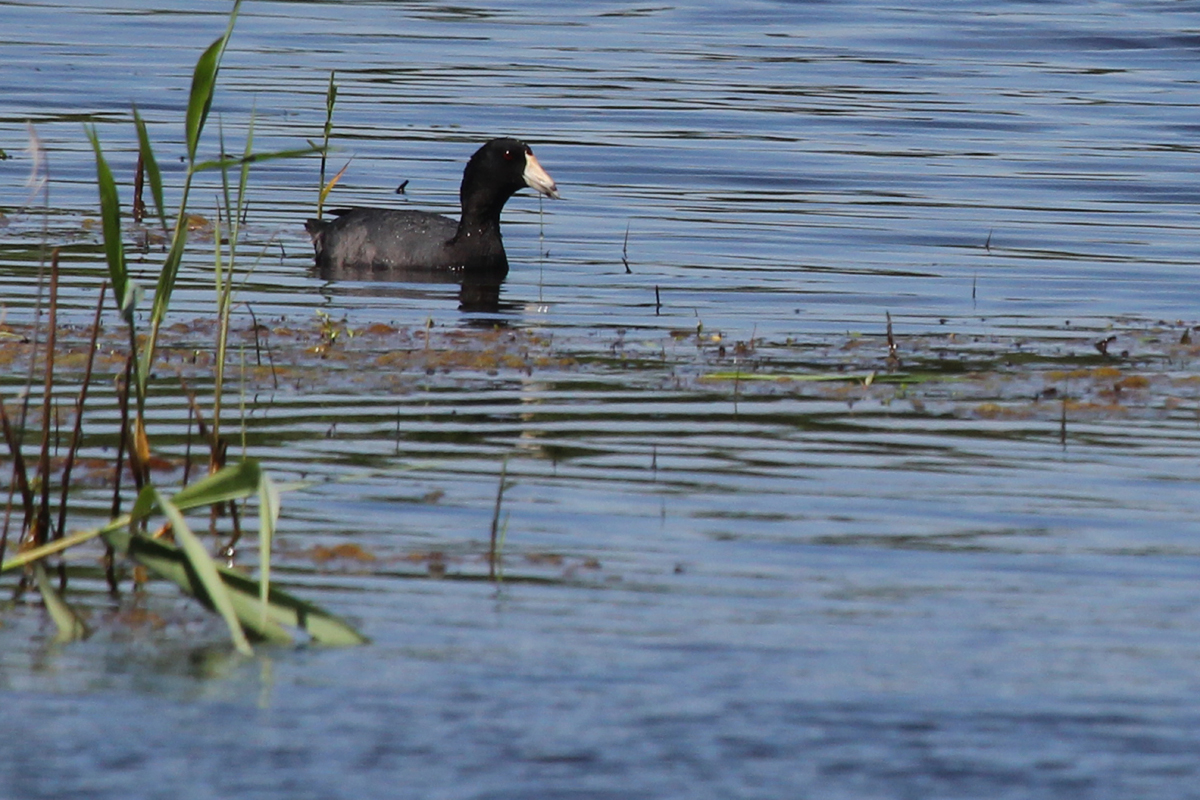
(251, 608)
(247, 605)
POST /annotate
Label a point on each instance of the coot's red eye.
(508, 155)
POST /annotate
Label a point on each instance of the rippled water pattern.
(715, 588)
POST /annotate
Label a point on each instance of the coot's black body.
(378, 240)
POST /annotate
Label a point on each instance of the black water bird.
(380, 241)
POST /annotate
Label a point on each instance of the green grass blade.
(244, 179)
(151, 165)
(110, 215)
(56, 546)
(268, 515)
(233, 482)
(255, 158)
(205, 569)
(70, 626)
(169, 562)
(162, 299)
(204, 81)
(330, 102)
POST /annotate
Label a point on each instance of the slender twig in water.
(988, 244)
(187, 449)
(8, 507)
(737, 380)
(216, 449)
(43, 183)
(657, 302)
(42, 529)
(1062, 425)
(496, 520)
(139, 206)
(257, 346)
(20, 471)
(257, 351)
(500, 551)
(625, 251)
(77, 432)
(891, 340)
(124, 386)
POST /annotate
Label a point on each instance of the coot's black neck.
(478, 240)
(481, 210)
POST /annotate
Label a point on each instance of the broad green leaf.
(169, 562)
(151, 166)
(204, 81)
(131, 299)
(70, 626)
(110, 215)
(202, 564)
(229, 483)
(162, 298)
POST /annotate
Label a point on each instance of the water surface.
(714, 587)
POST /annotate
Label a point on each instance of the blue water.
(764, 591)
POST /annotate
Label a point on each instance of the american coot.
(388, 240)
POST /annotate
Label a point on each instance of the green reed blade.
(169, 562)
(151, 165)
(254, 158)
(110, 216)
(49, 549)
(233, 482)
(70, 626)
(268, 516)
(202, 564)
(204, 80)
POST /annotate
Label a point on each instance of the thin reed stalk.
(40, 532)
(492, 551)
(80, 402)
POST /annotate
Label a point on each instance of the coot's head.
(497, 170)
